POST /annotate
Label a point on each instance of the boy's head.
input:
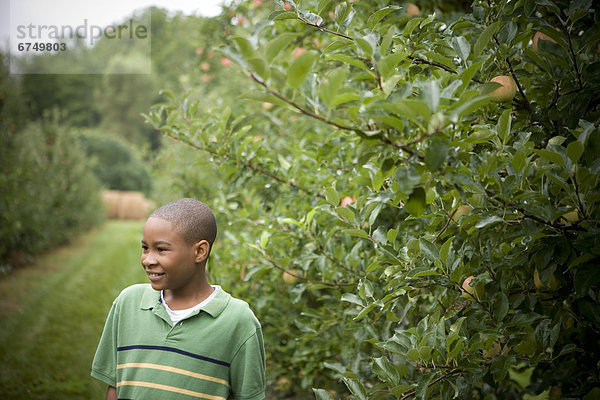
(192, 219)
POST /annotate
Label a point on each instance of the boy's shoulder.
(137, 293)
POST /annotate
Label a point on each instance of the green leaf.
(298, 71)
(332, 84)
(356, 388)
(436, 154)
(503, 125)
(575, 150)
(345, 213)
(384, 369)
(431, 94)
(244, 46)
(416, 202)
(410, 26)
(445, 249)
(416, 106)
(423, 385)
(346, 59)
(365, 46)
(425, 353)
(484, 38)
(488, 221)
(322, 394)
(352, 298)
(323, 5)
(480, 136)
(343, 15)
(264, 238)
(356, 232)
(281, 15)
(391, 235)
(387, 65)
(259, 66)
(399, 390)
(429, 249)
(379, 15)
(468, 107)
(551, 156)
(332, 196)
(274, 46)
(462, 47)
(413, 354)
(428, 272)
(501, 307)
(468, 74)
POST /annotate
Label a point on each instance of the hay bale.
(111, 200)
(126, 204)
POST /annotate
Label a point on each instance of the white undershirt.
(178, 315)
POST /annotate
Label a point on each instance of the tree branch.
(322, 29)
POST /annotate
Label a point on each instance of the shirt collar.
(214, 308)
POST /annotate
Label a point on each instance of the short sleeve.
(248, 369)
(104, 366)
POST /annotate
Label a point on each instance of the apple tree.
(374, 157)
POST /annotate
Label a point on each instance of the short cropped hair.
(192, 219)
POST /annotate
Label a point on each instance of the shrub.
(115, 163)
(49, 192)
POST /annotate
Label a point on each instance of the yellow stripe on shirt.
(174, 370)
(170, 389)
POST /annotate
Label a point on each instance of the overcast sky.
(101, 13)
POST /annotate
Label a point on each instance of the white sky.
(101, 13)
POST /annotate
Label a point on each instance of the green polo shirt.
(215, 353)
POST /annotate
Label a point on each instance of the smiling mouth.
(154, 275)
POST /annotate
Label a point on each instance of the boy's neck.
(181, 301)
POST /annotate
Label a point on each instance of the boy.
(179, 337)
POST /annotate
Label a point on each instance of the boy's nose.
(147, 261)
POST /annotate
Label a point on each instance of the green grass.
(52, 313)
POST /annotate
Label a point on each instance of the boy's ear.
(202, 250)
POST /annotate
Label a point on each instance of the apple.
(206, 78)
(297, 52)
(540, 36)
(507, 91)
(205, 66)
(287, 6)
(554, 282)
(291, 276)
(226, 62)
(199, 51)
(492, 351)
(241, 20)
(346, 201)
(284, 384)
(412, 10)
(571, 216)
(460, 211)
(267, 106)
(471, 292)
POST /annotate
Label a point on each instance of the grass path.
(52, 313)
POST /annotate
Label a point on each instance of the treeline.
(49, 192)
(65, 137)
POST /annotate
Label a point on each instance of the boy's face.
(170, 262)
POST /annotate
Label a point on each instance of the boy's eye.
(162, 249)
(144, 247)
